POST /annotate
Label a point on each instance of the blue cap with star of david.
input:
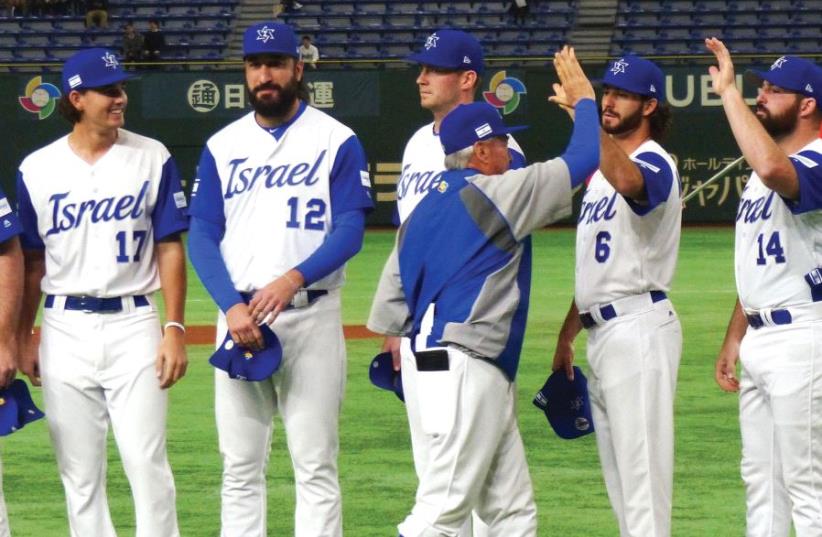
(16, 408)
(566, 404)
(451, 49)
(793, 74)
(246, 364)
(270, 38)
(636, 75)
(92, 68)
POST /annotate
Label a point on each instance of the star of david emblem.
(576, 404)
(619, 66)
(111, 60)
(431, 41)
(779, 63)
(265, 34)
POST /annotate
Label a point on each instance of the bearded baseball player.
(11, 291)
(451, 64)
(459, 255)
(626, 250)
(278, 207)
(102, 209)
(775, 329)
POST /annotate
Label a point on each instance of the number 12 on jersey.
(314, 213)
(773, 248)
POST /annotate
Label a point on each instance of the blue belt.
(311, 295)
(608, 312)
(93, 304)
(777, 316)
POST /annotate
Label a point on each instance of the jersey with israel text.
(274, 192)
(98, 223)
(462, 250)
(423, 162)
(625, 247)
(9, 224)
(779, 241)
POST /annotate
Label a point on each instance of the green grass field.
(377, 475)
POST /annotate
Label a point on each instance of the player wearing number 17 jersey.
(626, 250)
(775, 331)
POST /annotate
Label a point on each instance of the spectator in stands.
(154, 42)
(309, 54)
(132, 44)
(97, 13)
(519, 9)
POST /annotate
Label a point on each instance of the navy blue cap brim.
(382, 375)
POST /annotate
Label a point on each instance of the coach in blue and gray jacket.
(452, 284)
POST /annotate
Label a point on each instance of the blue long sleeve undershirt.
(582, 153)
(204, 238)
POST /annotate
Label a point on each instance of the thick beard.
(626, 124)
(280, 105)
(780, 126)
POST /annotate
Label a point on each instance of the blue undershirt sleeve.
(657, 177)
(582, 153)
(517, 159)
(344, 241)
(170, 214)
(204, 252)
(9, 223)
(808, 166)
(30, 238)
(206, 193)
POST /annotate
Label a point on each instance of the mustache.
(267, 86)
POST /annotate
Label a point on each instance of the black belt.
(608, 312)
(777, 316)
(94, 304)
(311, 295)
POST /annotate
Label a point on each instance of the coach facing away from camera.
(775, 328)
(460, 251)
(626, 251)
(278, 207)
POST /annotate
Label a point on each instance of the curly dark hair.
(660, 121)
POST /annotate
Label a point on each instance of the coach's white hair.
(458, 160)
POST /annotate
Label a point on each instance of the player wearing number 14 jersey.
(626, 251)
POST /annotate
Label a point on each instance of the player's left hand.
(269, 301)
(172, 360)
(725, 372)
(8, 364)
(564, 358)
(722, 74)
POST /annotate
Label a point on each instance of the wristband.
(174, 324)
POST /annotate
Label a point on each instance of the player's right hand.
(8, 365)
(392, 345)
(575, 85)
(725, 372)
(244, 331)
(29, 362)
(564, 359)
(722, 74)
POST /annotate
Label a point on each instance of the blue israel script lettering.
(67, 215)
(601, 209)
(421, 182)
(242, 180)
(753, 210)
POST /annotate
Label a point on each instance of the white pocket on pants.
(436, 391)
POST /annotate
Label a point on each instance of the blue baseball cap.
(270, 38)
(451, 49)
(16, 408)
(636, 75)
(566, 404)
(245, 364)
(470, 123)
(382, 375)
(92, 68)
(791, 73)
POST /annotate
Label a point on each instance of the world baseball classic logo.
(40, 97)
(504, 92)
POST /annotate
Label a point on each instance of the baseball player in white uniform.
(102, 209)
(11, 291)
(278, 207)
(776, 327)
(459, 253)
(626, 250)
(451, 64)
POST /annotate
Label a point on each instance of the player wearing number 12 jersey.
(626, 251)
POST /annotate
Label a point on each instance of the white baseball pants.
(467, 450)
(4, 516)
(98, 368)
(307, 392)
(780, 415)
(634, 361)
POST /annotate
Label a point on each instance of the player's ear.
(299, 67)
(468, 80)
(74, 98)
(808, 107)
(649, 106)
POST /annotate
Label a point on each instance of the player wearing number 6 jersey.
(102, 209)
(277, 209)
(626, 251)
(776, 327)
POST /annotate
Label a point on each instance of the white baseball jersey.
(98, 222)
(423, 162)
(778, 241)
(274, 192)
(624, 247)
